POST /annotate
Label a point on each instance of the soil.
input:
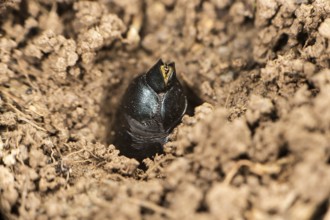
(256, 146)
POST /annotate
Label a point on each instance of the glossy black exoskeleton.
(152, 106)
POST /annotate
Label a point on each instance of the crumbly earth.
(257, 74)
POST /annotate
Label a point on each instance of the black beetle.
(152, 106)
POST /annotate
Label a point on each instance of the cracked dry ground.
(257, 73)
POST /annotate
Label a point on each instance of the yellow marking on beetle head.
(167, 72)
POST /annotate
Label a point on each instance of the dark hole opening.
(203, 207)
(2, 216)
(302, 38)
(21, 14)
(193, 99)
(281, 42)
(321, 210)
(15, 209)
(284, 151)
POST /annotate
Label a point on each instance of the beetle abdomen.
(137, 140)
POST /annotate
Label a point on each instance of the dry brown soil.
(257, 74)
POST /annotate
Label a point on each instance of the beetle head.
(160, 76)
